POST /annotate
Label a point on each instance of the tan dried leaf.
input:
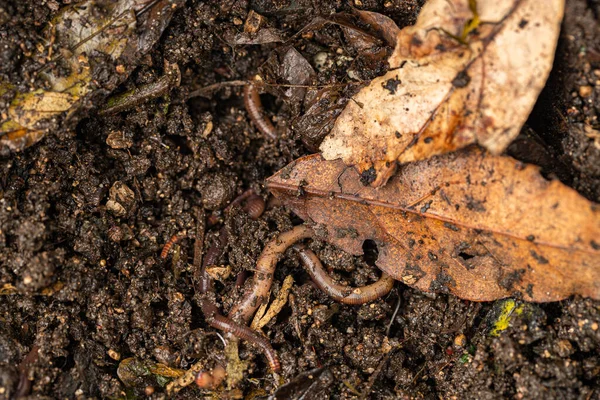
(262, 318)
(456, 77)
(477, 225)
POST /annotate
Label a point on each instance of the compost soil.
(82, 283)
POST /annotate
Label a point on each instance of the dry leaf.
(261, 318)
(477, 225)
(456, 77)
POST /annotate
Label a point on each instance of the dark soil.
(82, 285)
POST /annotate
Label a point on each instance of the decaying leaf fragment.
(90, 35)
(470, 223)
(467, 72)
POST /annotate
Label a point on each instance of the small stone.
(219, 273)
(564, 348)
(118, 140)
(460, 340)
(253, 22)
(121, 199)
(122, 193)
(585, 91)
(322, 61)
(115, 234)
(116, 208)
(546, 354)
(217, 190)
(114, 355)
(207, 129)
(386, 347)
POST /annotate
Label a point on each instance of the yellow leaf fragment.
(29, 108)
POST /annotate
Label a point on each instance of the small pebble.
(460, 340)
(113, 354)
(585, 91)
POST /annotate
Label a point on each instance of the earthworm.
(255, 206)
(216, 320)
(256, 112)
(211, 258)
(263, 274)
(341, 293)
(24, 386)
(165, 251)
(239, 199)
(210, 310)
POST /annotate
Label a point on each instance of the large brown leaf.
(467, 72)
(477, 225)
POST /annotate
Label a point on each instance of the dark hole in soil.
(182, 144)
(553, 310)
(371, 252)
(268, 102)
(465, 256)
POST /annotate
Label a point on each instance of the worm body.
(210, 310)
(263, 274)
(341, 293)
(211, 258)
(24, 385)
(255, 206)
(216, 320)
(165, 251)
(256, 112)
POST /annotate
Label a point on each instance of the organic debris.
(480, 226)
(134, 372)
(311, 384)
(85, 33)
(467, 72)
(262, 318)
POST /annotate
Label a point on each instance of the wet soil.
(85, 213)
